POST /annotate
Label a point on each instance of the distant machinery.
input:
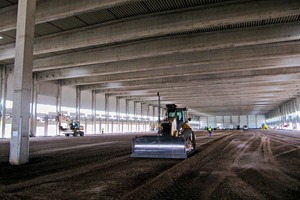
(73, 127)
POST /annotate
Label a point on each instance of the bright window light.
(9, 104)
(1, 37)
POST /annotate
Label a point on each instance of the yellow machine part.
(264, 127)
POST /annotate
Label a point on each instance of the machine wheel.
(67, 135)
(81, 133)
(191, 142)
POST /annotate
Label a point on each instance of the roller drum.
(159, 147)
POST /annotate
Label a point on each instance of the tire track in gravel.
(66, 174)
(168, 178)
(272, 182)
(234, 150)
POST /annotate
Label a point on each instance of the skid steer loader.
(175, 137)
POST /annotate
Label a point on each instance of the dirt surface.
(233, 164)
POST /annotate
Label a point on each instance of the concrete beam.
(50, 10)
(271, 76)
(202, 94)
(167, 46)
(202, 71)
(204, 89)
(147, 27)
(280, 54)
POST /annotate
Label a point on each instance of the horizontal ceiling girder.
(154, 25)
(213, 74)
(50, 10)
(175, 61)
(167, 46)
(271, 77)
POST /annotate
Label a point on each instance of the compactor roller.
(175, 138)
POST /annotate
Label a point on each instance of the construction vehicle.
(73, 127)
(175, 138)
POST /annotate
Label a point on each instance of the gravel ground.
(232, 164)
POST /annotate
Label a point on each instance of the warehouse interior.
(114, 65)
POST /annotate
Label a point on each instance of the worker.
(264, 127)
(209, 129)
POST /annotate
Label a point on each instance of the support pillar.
(118, 113)
(153, 115)
(85, 124)
(142, 118)
(34, 100)
(153, 112)
(127, 113)
(19, 142)
(46, 120)
(3, 93)
(106, 113)
(100, 127)
(148, 118)
(159, 108)
(58, 104)
(78, 103)
(94, 111)
(135, 116)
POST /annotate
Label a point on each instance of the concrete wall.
(229, 122)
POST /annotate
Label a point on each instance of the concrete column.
(153, 112)
(256, 121)
(142, 118)
(135, 116)
(34, 100)
(100, 128)
(148, 118)
(19, 142)
(207, 121)
(58, 103)
(247, 121)
(3, 93)
(153, 115)
(127, 113)
(106, 113)
(85, 124)
(46, 119)
(159, 108)
(118, 113)
(223, 121)
(94, 110)
(78, 102)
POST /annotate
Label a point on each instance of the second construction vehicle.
(175, 138)
(73, 127)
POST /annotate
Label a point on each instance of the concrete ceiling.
(217, 57)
